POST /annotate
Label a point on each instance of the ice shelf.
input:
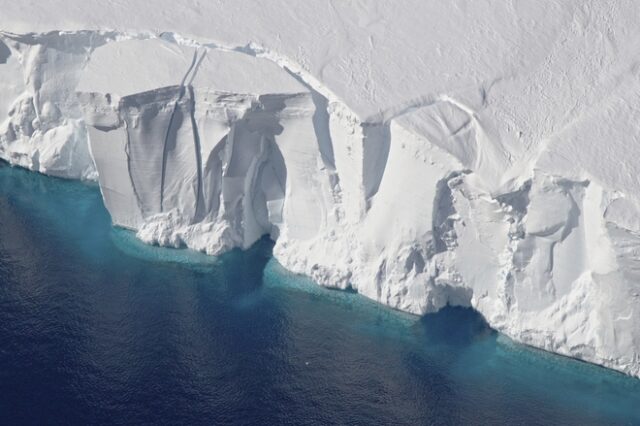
(427, 154)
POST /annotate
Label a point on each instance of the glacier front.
(463, 153)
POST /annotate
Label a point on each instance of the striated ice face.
(205, 158)
(421, 205)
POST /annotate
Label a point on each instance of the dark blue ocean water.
(98, 328)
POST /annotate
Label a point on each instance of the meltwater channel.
(97, 328)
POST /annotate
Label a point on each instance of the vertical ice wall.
(418, 207)
(208, 153)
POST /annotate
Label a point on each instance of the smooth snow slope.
(423, 152)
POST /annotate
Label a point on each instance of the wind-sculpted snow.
(512, 193)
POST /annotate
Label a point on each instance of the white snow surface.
(423, 153)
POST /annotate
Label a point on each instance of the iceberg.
(425, 155)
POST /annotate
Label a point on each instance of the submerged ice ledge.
(420, 206)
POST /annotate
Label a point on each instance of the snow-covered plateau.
(422, 153)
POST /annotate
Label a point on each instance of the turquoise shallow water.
(98, 328)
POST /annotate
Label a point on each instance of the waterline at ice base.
(98, 327)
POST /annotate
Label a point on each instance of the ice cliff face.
(526, 210)
(42, 127)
